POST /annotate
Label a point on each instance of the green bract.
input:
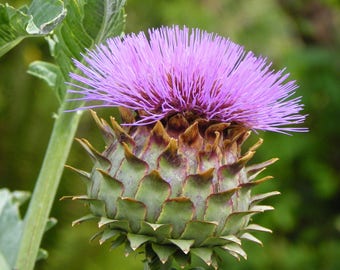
(177, 189)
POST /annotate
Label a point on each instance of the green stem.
(46, 187)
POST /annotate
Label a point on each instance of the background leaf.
(11, 227)
(87, 23)
(46, 15)
(40, 18)
(12, 27)
(48, 72)
(11, 224)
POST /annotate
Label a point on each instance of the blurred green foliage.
(301, 35)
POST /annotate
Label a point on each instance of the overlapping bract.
(179, 189)
(181, 70)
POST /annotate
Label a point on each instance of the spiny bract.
(179, 189)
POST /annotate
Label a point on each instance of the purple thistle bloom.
(188, 71)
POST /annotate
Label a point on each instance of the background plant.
(298, 34)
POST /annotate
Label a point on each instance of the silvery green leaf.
(11, 224)
(39, 19)
(11, 227)
(87, 24)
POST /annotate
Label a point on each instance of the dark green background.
(300, 35)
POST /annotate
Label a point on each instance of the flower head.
(188, 71)
(180, 188)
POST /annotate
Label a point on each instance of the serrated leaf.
(38, 19)
(112, 24)
(12, 27)
(87, 24)
(46, 15)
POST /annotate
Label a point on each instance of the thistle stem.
(46, 187)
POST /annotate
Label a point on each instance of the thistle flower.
(173, 179)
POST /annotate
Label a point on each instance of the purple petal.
(178, 70)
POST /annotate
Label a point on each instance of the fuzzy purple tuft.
(181, 70)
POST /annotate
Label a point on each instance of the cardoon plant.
(174, 180)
